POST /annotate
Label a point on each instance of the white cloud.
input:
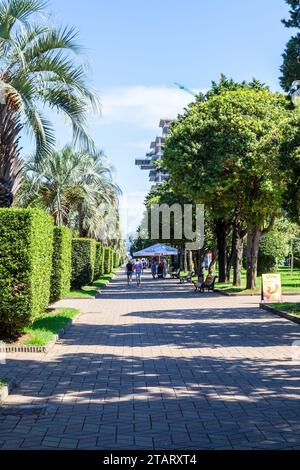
(142, 106)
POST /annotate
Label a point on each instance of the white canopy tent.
(156, 250)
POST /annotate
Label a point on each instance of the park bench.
(187, 278)
(208, 284)
(174, 273)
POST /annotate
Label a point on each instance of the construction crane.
(184, 88)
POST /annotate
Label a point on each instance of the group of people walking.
(135, 267)
(159, 269)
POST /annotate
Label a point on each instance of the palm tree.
(75, 187)
(37, 70)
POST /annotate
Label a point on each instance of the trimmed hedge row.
(38, 262)
(98, 261)
(26, 240)
(83, 261)
(61, 263)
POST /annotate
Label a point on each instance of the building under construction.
(155, 154)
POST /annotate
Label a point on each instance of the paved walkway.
(159, 367)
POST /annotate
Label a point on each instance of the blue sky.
(138, 49)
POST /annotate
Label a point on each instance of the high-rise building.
(156, 174)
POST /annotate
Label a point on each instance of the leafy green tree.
(290, 164)
(39, 68)
(224, 153)
(290, 68)
(275, 246)
(165, 194)
(294, 20)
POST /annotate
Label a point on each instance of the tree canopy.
(290, 68)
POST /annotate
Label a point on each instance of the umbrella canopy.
(157, 250)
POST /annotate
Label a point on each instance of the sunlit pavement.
(159, 367)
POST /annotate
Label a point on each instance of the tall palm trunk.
(10, 163)
(83, 233)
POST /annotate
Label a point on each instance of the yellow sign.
(271, 288)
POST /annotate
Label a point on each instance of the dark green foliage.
(294, 20)
(112, 259)
(107, 260)
(83, 261)
(290, 68)
(266, 264)
(116, 259)
(98, 261)
(102, 268)
(61, 263)
(26, 240)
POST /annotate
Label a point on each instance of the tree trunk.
(212, 266)
(10, 163)
(185, 262)
(221, 228)
(253, 239)
(238, 261)
(190, 260)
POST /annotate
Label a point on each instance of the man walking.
(129, 270)
(138, 271)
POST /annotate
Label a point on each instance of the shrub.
(26, 244)
(112, 257)
(61, 263)
(107, 265)
(83, 261)
(102, 267)
(116, 259)
(98, 261)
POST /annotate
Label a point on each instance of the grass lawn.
(42, 330)
(92, 289)
(293, 308)
(290, 283)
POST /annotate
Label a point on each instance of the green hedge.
(26, 243)
(112, 255)
(98, 261)
(61, 263)
(83, 261)
(107, 268)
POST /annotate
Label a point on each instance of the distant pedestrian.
(165, 267)
(129, 271)
(154, 268)
(138, 267)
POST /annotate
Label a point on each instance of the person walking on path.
(138, 271)
(129, 271)
(154, 268)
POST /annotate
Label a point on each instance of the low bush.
(98, 260)
(107, 260)
(61, 263)
(83, 261)
(26, 244)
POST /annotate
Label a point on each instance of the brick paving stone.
(160, 367)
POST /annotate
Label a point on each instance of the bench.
(174, 274)
(187, 278)
(208, 284)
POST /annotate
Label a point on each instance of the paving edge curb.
(6, 389)
(41, 349)
(241, 294)
(280, 313)
(235, 294)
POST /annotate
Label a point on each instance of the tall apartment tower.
(156, 175)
